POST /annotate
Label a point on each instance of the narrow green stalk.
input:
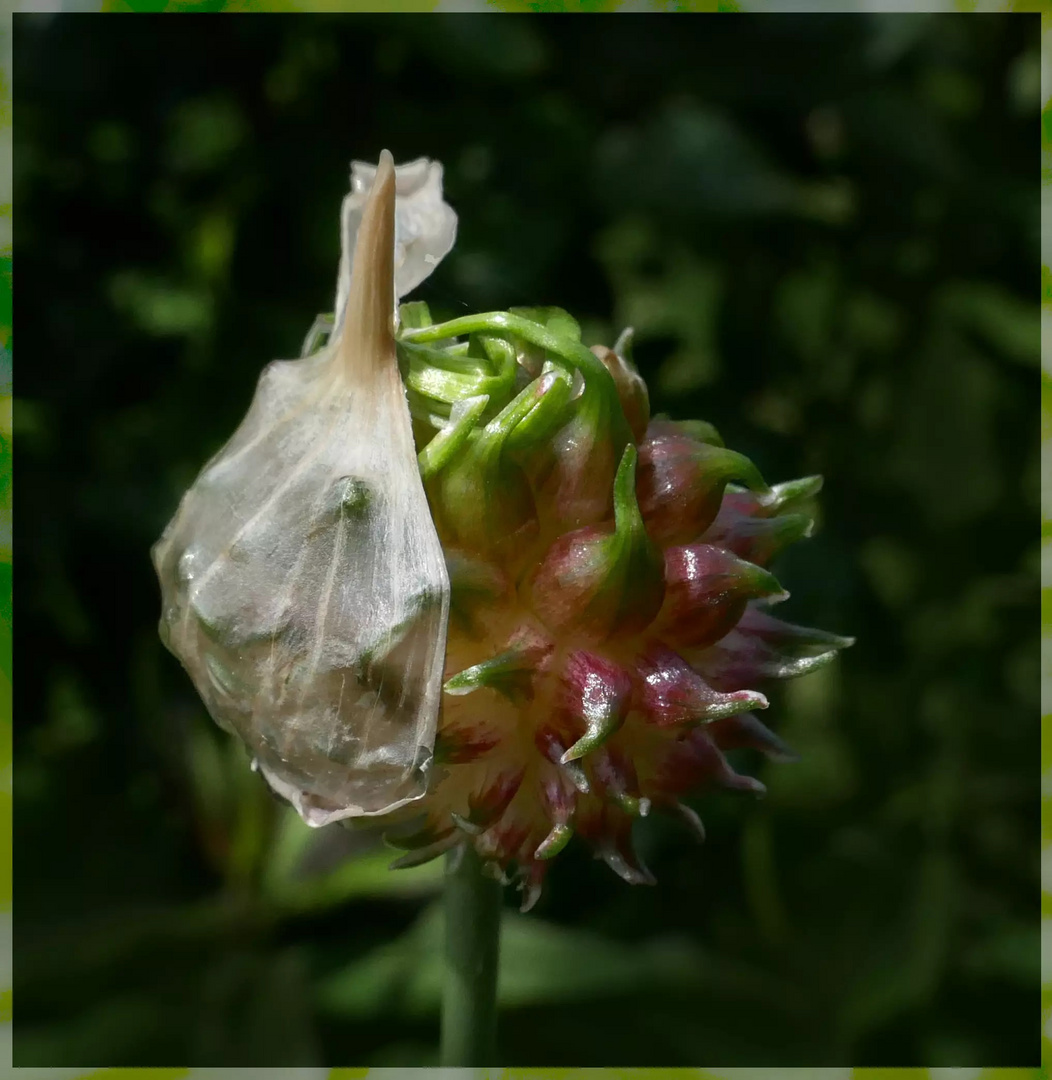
(469, 994)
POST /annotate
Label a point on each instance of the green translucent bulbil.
(441, 377)
(510, 673)
(553, 391)
(483, 496)
(556, 427)
(554, 842)
(564, 351)
(463, 420)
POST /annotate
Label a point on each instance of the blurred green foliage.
(825, 231)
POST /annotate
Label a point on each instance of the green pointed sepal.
(510, 673)
(762, 626)
(672, 694)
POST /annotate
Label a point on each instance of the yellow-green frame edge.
(6, 756)
(6, 762)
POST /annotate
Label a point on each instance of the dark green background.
(825, 230)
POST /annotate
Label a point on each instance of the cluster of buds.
(610, 628)
(491, 491)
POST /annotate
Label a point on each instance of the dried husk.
(303, 583)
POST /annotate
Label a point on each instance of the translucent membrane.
(303, 583)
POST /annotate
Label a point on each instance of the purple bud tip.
(594, 693)
(669, 692)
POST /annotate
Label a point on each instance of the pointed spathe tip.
(385, 171)
(367, 338)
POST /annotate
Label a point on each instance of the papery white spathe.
(303, 583)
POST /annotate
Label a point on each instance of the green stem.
(469, 996)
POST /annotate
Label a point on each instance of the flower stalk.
(601, 575)
(469, 992)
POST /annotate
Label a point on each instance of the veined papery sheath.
(303, 583)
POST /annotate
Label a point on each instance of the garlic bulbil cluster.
(457, 577)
